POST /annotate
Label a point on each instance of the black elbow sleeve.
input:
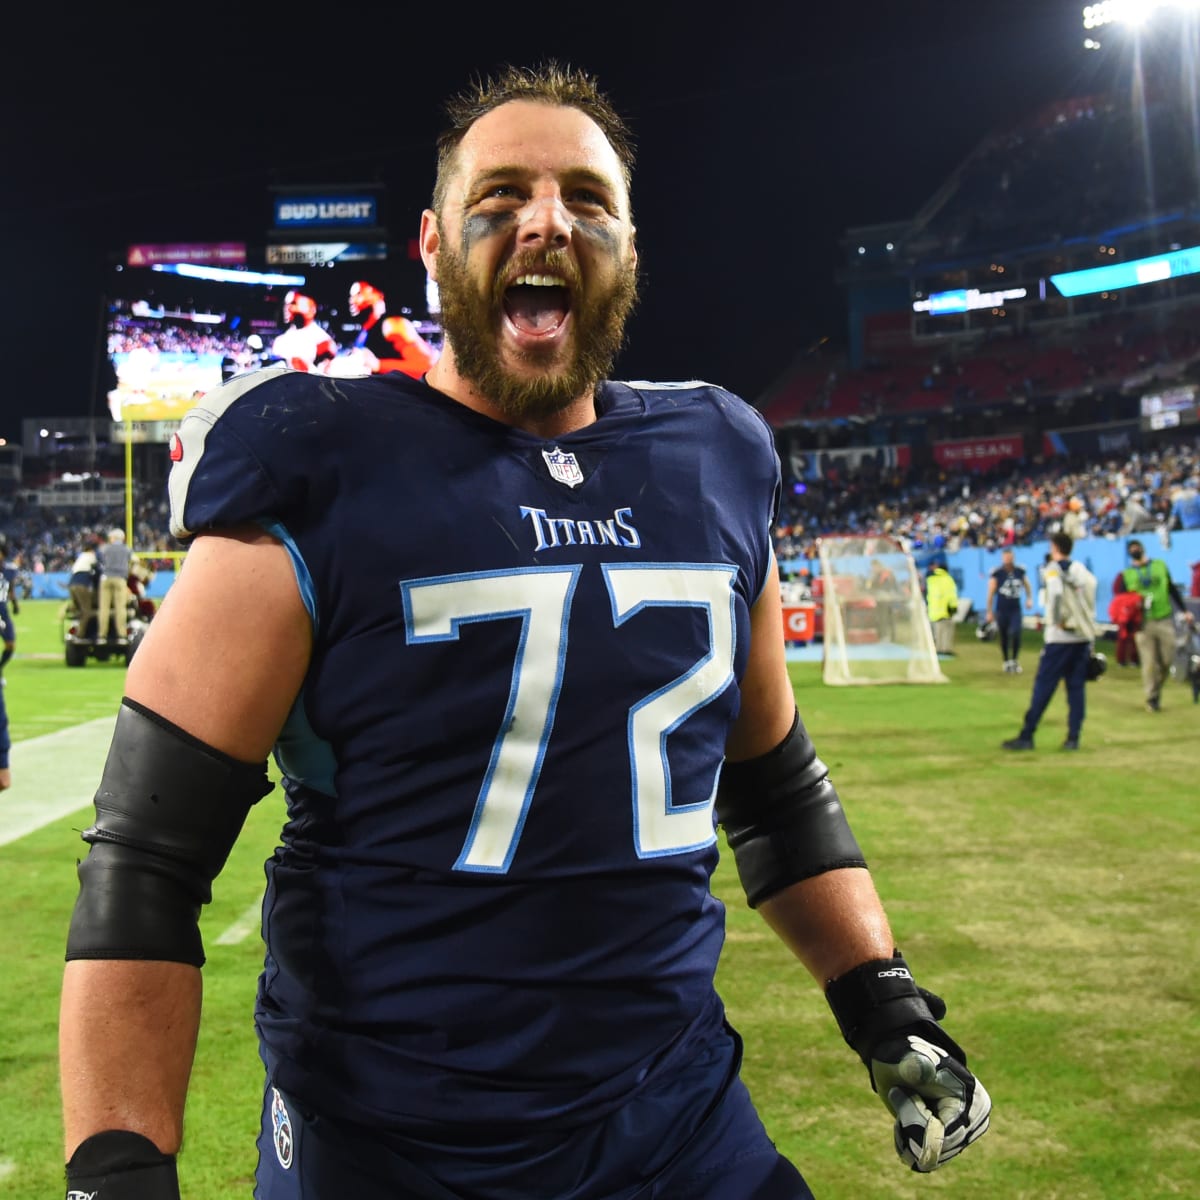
(168, 811)
(783, 819)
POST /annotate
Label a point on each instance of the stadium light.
(965, 299)
(1135, 273)
(1131, 12)
(226, 275)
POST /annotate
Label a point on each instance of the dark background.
(763, 133)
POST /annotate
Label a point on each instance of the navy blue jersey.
(8, 631)
(1010, 586)
(491, 902)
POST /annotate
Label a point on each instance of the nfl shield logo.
(563, 466)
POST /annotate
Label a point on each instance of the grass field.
(1051, 898)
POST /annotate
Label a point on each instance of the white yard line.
(57, 774)
(54, 775)
(250, 922)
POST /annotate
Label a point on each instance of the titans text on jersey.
(617, 530)
(501, 768)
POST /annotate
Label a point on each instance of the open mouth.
(537, 305)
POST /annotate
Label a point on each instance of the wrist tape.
(878, 999)
(121, 1165)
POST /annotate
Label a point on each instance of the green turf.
(1050, 897)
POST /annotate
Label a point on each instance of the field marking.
(7, 1167)
(54, 774)
(249, 922)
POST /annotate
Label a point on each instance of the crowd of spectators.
(50, 539)
(156, 337)
(1156, 491)
(1151, 492)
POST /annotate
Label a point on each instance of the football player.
(517, 649)
(1005, 585)
(303, 345)
(9, 604)
(387, 343)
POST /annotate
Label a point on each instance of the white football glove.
(939, 1106)
(917, 1068)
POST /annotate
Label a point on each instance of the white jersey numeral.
(435, 610)
(659, 827)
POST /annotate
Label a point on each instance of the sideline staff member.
(115, 558)
(1152, 581)
(490, 937)
(1070, 634)
(941, 596)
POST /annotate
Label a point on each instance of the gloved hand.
(939, 1106)
(917, 1069)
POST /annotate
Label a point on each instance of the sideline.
(250, 922)
(54, 774)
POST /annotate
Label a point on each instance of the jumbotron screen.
(1170, 408)
(174, 334)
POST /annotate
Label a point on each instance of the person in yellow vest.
(1150, 578)
(941, 598)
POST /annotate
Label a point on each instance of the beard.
(471, 318)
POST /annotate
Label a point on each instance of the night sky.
(763, 133)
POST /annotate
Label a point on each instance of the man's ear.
(430, 242)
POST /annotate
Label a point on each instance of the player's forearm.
(831, 922)
(127, 1035)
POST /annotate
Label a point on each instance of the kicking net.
(876, 623)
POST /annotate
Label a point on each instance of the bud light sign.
(296, 212)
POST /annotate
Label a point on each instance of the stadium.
(1021, 357)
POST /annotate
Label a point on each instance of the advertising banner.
(847, 461)
(981, 453)
(306, 212)
(1090, 441)
(225, 254)
(799, 622)
(318, 254)
(139, 432)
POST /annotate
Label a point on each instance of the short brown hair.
(548, 83)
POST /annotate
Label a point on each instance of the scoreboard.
(1169, 409)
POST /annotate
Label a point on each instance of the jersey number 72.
(435, 609)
